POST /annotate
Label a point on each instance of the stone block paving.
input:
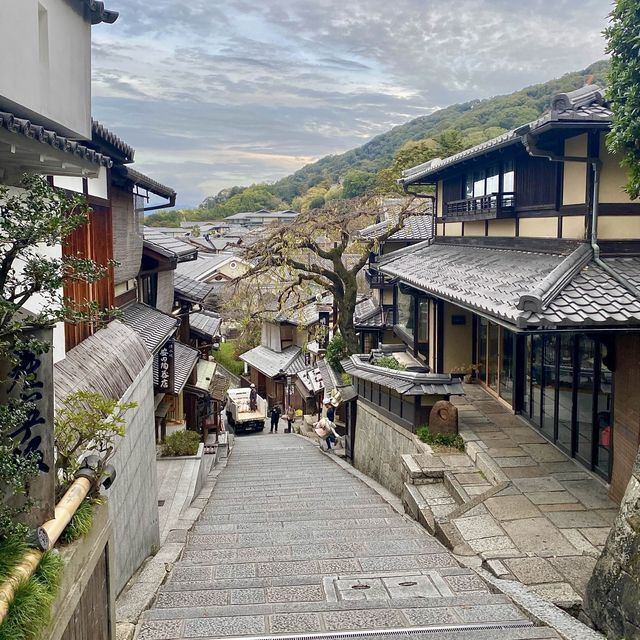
(548, 525)
(291, 543)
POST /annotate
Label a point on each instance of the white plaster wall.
(49, 44)
(133, 498)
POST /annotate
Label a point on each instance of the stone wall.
(613, 592)
(379, 443)
(133, 498)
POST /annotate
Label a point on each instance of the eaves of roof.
(97, 12)
(168, 246)
(404, 382)
(37, 133)
(112, 144)
(143, 181)
(154, 327)
(583, 107)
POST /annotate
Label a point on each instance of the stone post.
(613, 593)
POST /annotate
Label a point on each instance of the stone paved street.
(291, 543)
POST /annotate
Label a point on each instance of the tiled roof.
(331, 380)
(192, 290)
(205, 323)
(46, 137)
(98, 13)
(184, 360)
(585, 105)
(368, 314)
(204, 266)
(404, 382)
(270, 363)
(101, 135)
(415, 228)
(594, 297)
(311, 381)
(153, 326)
(141, 180)
(168, 246)
(525, 288)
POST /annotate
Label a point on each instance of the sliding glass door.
(495, 358)
(568, 395)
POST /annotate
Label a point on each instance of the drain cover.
(361, 587)
(407, 584)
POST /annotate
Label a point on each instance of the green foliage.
(346, 378)
(195, 232)
(389, 362)
(317, 202)
(440, 439)
(623, 43)
(253, 198)
(87, 421)
(30, 610)
(182, 443)
(226, 356)
(31, 218)
(80, 524)
(357, 183)
(336, 351)
(12, 550)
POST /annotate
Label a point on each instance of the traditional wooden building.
(533, 278)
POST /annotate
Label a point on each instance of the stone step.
(329, 566)
(197, 551)
(303, 514)
(474, 607)
(345, 523)
(284, 537)
(292, 507)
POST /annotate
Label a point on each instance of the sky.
(216, 93)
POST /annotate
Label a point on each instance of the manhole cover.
(361, 587)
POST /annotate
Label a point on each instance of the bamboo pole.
(52, 529)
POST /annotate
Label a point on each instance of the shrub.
(389, 362)
(440, 439)
(80, 524)
(336, 350)
(30, 610)
(182, 443)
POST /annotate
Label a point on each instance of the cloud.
(245, 92)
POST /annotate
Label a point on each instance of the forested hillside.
(376, 165)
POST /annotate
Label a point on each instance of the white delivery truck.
(240, 416)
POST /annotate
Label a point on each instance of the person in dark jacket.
(253, 398)
(275, 418)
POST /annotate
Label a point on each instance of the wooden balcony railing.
(493, 205)
(377, 280)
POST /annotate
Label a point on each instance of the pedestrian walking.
(291, 416)
(275, 418)
(324, 430)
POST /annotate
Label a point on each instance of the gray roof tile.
(153, 326)
(415, 228)
(404, 382)
(192, 290)
(168, 246)
(271, 363)
(495, 282)
(205, 323)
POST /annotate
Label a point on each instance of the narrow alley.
(291, 543)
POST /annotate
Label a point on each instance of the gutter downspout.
(529, 142)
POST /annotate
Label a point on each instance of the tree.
(30, 219)
(623, 43)
(87, 421)
(320, 252)
(357, 183)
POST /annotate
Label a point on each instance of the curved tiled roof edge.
(98, 13)
(38, 133)
(103, 134)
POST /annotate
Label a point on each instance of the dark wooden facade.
(94, 241)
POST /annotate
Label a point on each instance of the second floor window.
(483, 182)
